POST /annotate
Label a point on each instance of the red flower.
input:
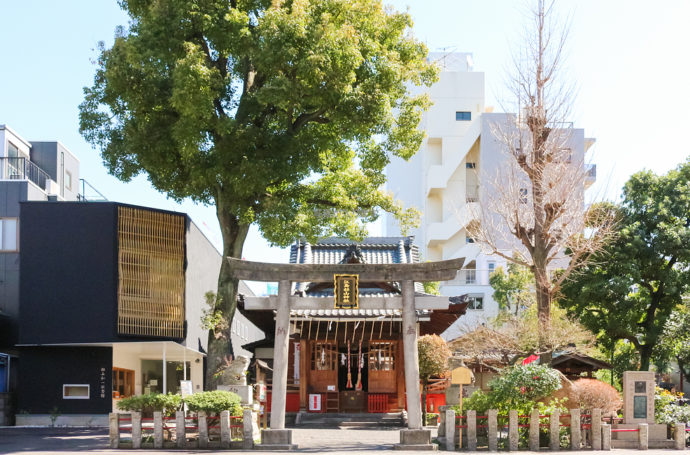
(522, 390)
(535, 377)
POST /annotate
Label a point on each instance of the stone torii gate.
(406, 274)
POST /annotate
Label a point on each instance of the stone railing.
(131, 431)
(585, 431)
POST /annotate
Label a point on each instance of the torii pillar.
(277, 437)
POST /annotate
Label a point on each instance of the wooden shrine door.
(383, 363)
(323, 366)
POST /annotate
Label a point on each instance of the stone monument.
(638, 408)
(638, 397)
(234, 379)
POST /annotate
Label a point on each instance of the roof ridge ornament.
(353, 255)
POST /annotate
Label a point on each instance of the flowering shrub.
(666, 407)
(595, 394)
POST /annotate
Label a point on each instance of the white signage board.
(186, 388)
(315, 402)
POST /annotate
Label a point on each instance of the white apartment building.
(444, 180)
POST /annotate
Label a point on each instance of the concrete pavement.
(332, 441)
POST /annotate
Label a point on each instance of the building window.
(9, 234)
(469, 240)
(463, 115)
(75, 391)
(123, 383)
(12, 150)
(324, 356)
(68, 180)
(470, 276)
(471, 165)
(492, 267)
(475, 303)
(382, 356)
(523, 195)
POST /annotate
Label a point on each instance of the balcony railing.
(89, 194)
(21, 168)
(471, 277)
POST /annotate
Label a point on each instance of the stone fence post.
(450, 429)
(513, 430)
(114, 430)
(534, 430)
(247, 429)
(157, 430)
(679, 435)
(554, 430)
(492, 428)
(605, 437)
(136, 430)
(225, 430)
(575, 437)
(471, 431)
(180, 433)
(643, 434)
(203, 429)
(596, 430)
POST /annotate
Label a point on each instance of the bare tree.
(507, 338)
(533, 209)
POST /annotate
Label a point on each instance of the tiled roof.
(374, 250)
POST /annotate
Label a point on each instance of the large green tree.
(513, 290)
(281, 113)
(674, 344)
(629, 290)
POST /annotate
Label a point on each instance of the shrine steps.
(354, 420)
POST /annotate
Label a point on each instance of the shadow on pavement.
(52, 439)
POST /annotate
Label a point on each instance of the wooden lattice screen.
(151, 273)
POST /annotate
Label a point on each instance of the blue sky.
(627, 58)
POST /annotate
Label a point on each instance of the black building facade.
(111, 298)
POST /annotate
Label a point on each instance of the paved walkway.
(62, 441)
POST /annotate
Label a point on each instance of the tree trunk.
(219, 343)
(645, 357)
(543, 294)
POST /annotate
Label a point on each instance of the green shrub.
(214, 402)
(151, 402)
(518, 387)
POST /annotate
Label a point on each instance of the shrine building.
(345, 325)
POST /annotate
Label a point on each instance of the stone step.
(363, 420)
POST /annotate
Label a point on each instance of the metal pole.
(165, 373)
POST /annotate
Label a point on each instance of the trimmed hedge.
(151, 402)
(214, 402)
